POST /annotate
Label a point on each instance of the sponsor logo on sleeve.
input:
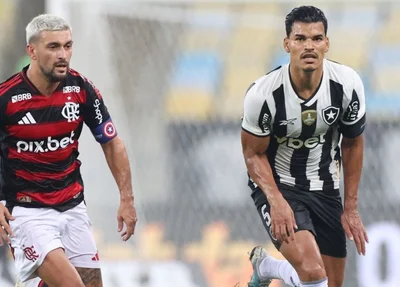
(351, 113)
(99, 116)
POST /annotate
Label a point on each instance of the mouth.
(61, 68)
(309, 57)
(63, 65)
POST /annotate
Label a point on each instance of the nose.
(309, 45)
(62, 54)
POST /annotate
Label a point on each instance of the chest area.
(297, 118)
(29, 115)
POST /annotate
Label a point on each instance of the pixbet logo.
(295, 143)
(45, 145)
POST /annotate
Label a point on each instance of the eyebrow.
(58, 43)
(304, 36)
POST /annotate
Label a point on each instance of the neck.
(305, 83)
(39, 80)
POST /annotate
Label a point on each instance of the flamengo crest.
(70, 111)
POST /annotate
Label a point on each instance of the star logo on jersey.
(109, 130)
(330, 115)
(309, 117)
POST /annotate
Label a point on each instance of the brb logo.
(70, 111)
(294, 143)
(21, 97)
(45, 145)
(71, 89)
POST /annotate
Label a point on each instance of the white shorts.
(40, 230)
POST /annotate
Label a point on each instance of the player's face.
(307, 45)
(53, 51)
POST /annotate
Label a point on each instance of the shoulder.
(77, 78)
(84, 83)
(342, 74)
(264, 86)
(11, 85)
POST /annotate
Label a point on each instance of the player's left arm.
(98, 119)
(352, 126)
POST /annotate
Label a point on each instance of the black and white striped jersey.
(304, 150)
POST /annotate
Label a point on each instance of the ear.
(327, 45)
(286, 44)
(31, 51)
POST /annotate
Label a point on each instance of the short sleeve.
(353, 120)
(256, 115)
(96, 115)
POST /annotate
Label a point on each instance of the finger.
(358, 244)
(6, 227)
(365, 235)
(347, 231)
(291, 231)
(294, 222)
(134, 226)
(284, 233)
(8, 215)
(4, 236)
(362, 241)
(274, 231)
(129, 231)
(278, 233)
(120, 223)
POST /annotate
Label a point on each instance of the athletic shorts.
(316, 211)
(40, 230)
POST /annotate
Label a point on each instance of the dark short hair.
(305, 14)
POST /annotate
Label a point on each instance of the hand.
(5, 229)
(127, 215)
(354, 229)
(282, 220)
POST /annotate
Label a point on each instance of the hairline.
(35, 37)
(308, 22)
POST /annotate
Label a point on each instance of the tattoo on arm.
(91, 277)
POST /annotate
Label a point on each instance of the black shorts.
(316, 211)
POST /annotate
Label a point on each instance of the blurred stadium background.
(173, 74)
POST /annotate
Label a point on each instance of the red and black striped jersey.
(39, 139)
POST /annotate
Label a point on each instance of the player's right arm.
(255, 138)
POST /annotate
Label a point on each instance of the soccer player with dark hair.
(299, 121)
(43, 109)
